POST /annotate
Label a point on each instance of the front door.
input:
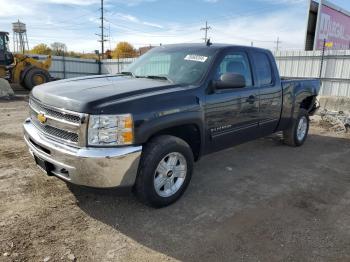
(232, 115)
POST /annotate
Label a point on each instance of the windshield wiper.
(128, 73)
(157, 78)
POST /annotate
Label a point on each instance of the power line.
(206, 29)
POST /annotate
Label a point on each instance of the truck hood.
(85, 94)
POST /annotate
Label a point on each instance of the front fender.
(161, 122)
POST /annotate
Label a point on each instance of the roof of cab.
(212, 46)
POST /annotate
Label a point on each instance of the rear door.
(270, 91)
(232, 115)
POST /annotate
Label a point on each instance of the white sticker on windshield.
(197, 58)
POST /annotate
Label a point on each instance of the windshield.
(177, 65)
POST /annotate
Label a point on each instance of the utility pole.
(278, 43)
(102, 36)
(322, 57)
(102, 33)
(206, 28)
(109, 37)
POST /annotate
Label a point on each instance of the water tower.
(20, 40)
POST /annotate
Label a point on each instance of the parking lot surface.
(261, 201)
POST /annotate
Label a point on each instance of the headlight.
(110, 130)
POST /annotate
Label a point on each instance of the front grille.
(54, 113)
(58, 133)
(61, 125)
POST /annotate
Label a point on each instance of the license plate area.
(45, 166)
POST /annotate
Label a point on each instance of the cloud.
(211, 1)
(134, 19)
(153, 24)
(13, 8)
(91, 2)
(262, 30)
(284, 2)
(72, 2)
(127, 17)
(133, 2)
(76, 25)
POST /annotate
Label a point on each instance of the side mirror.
(230, 80)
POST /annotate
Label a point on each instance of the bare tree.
(58, 48)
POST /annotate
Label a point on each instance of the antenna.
(208, 43)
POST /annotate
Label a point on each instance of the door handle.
(251, 99)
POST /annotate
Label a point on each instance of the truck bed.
(312, 84)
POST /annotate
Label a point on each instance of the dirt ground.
(261, 201)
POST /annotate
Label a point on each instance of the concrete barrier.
(5, 88)
(335, 103)
(335, 111)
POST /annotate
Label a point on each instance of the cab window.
(263, 68)
(236, 63)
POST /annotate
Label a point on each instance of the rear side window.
(263, 68)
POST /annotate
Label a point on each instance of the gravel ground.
(261, 201)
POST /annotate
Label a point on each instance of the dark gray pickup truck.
(145, 127)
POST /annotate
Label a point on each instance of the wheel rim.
(170, 174)
(39, 79)
(302, 128)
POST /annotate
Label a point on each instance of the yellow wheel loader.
(21, 69)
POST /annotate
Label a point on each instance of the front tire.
(36, 76)
(165, 171)
(297, 133)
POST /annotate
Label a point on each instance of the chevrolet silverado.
(146, 126)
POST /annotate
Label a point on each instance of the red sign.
(334, 26)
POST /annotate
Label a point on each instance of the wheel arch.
(304, 101)
(187, 126)
(305, 94)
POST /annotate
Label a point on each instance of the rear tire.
(297, 133)
(34, 77)
(165, 171)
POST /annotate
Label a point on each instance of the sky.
(154, 22)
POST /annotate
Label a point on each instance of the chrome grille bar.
(61, 125)
(55, 133)
(55, 113)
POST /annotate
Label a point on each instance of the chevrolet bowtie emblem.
(42, 118)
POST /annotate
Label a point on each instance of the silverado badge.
(42, 118)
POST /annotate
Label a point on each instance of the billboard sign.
(334, 26)
(327, 22)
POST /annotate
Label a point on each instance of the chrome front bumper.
(94, 167)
